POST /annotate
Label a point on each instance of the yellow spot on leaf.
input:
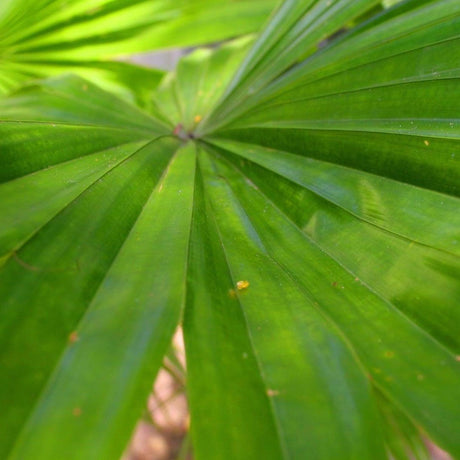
(197, 118)
(426, 142)
(76, 412)
(272, 393)
(242, 285)
(389, 354)
(232, 293)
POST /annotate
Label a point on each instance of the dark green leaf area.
(100, 382)
(46, 192)
(408, 254)
(227, 394)
(303, 400)
(29, 147)
(60, 269)
(403, 360)
(400, 157)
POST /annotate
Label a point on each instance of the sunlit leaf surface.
(40, 38)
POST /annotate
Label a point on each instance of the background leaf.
(48, 37)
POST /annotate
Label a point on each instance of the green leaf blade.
(124, 334)
(304, 402)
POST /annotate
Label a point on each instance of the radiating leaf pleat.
(72, 99)
(418, 43)
(131, 82)
(98, 388)
(294, 31)
(48, 283)
(323, 386)
(28, 147)
(410, 212)
(219, 350)
(402, 359)
(423, 161)
(66, 119)
(417, 278)
(72, 36)
(27, 203)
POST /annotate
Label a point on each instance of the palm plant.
(290, 199)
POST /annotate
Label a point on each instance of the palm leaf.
(48, 37)
(295, 207)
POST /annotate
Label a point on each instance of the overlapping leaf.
(329, 188)
(47, 37)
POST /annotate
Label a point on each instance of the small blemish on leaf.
(272, 393)
(426, 142)
(457, 358)
(389, 354)
(232, 293)
(334, 284)
(420, 377)
(24, 264)
(73, 337)
(76, 412)
(197, 118)
(240, 285)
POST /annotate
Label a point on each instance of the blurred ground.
(164, 60)
(163, 433)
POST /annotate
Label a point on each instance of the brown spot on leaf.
(272, 393)
(73, 337)
(24, 264)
